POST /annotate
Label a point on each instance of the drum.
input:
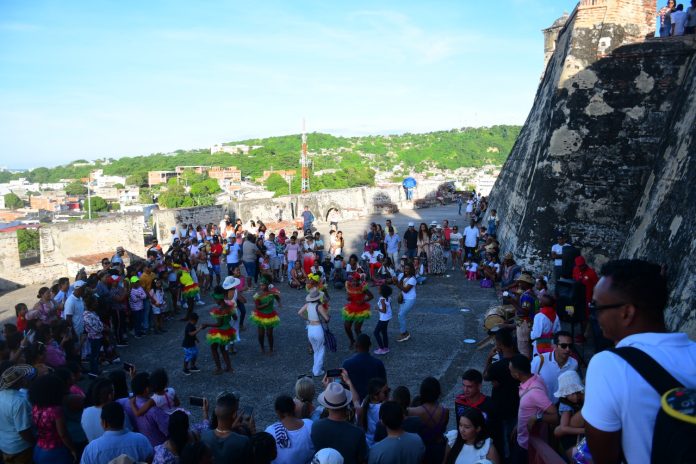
(494, 316)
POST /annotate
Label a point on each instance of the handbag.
(329, 338)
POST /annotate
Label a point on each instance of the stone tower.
(550, 36)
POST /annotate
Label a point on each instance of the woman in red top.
(53, 444)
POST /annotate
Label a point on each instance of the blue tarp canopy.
(409, 182)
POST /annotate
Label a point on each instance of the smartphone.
(128, 367)
(333, 373)
(196, 401)
(247, 411)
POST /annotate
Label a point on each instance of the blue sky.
(83, 79)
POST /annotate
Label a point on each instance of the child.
(163, 397)
(471, 270)
(571, 394)
(189, 344)
(385, 315)
(21, 313)
(159, 304)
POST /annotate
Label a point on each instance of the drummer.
(525, 303)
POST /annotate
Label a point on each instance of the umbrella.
(409, 182)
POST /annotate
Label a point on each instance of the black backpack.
(675, 427)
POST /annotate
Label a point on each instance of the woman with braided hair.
(358, 309)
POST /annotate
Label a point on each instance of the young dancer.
(265, 316)
(358, 309)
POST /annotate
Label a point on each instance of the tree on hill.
(138, 179)
(174, 197)
(119, 186)
(205, 187)
(75, 188)
(12, 201)
(277, 184)
(97, 203)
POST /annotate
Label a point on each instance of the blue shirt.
(15, 417)
(115, 443)
(361, 368)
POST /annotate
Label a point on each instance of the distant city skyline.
(111, 79)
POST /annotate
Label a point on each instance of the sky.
(112, 78)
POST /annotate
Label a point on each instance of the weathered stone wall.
(593, 145)
(165, 219)
(65, 247)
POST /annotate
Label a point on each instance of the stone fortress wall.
(608, 151)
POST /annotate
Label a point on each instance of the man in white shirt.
(620, 406)
(471, 235)
(75, 308)
(393, 244)
(549, 366)
(557, 256)
(233, 255)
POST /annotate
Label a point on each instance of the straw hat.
(525, 278)
(335, 396)
(568, 383)
(314, 295)
(16, 374)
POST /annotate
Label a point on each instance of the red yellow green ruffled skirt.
(265, 320)
(190, 288)
(221, 336)
(356, 312)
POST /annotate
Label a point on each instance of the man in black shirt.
(411, 239)
(189, 344)
(505, 395)
(362, 366)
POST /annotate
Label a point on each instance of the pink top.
(47, 430)
(533, 400)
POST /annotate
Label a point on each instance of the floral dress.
(264, 315)
(437, 257)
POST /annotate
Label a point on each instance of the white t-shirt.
(617, 397)
(455, 239)
(470, 206)
(75, 307)
(386, 316)
(300, 447)
(472, 267)
(542, 325)
(470, 454)
(411, 294)
(471, 235)
(233, 253)
(558, 249)
(166, 401)
(550, 371)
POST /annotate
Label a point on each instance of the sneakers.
(194, 369)
(403, 337)
(379, 351)
(186, 372)
(385, 350)
(200, 303)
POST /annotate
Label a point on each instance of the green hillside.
(356, 157)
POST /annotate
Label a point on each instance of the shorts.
(202, 269)
(216, 269)
(156, 310)
(276, 262)
(455, 248)
(190, 354)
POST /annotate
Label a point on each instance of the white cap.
(79, 283)
(410, 224)
(327, 456)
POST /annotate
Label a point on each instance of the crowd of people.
(58, 404)
(675, 21)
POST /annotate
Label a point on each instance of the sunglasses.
(565, 346)
(593, 306)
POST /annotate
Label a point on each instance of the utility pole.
(89, 197)
(304, 161)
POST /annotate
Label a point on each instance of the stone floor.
(437, 324)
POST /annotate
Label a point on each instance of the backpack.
(675, 426)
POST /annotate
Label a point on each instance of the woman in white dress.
(473, 441)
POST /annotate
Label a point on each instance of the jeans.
(138, 317)
(404, 309)
(147, 309)
(316, 338)
(95, 345)
(380, 334)
(58, 455)
(242, 313)
(250, 268)
(411, 252)
(291, 264)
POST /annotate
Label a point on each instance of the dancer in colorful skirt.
(264, 316)
(189, 289)
(358, 308)
(221, 332)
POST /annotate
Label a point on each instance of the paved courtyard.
(437, 324)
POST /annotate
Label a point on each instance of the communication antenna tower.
(304, 161)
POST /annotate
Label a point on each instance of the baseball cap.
(134, 279)
(79, 283)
